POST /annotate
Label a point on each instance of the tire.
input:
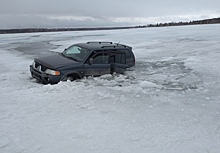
(71, 77)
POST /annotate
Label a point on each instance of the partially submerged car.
(83, 59)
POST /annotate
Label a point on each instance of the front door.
(98, 64)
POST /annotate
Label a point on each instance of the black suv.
(83, 59)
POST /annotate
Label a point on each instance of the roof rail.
(99, 42)
(114, 46)
(121, 45)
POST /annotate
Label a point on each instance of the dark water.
(39, 45)
(36, 48)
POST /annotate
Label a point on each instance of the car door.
(97, 64)
(118, 62)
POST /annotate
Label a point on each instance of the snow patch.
(147, 84)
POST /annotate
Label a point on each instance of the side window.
(127, 52)
(118, 58)
(101, 59)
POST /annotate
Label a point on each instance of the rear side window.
(118, 58)
(127, 52)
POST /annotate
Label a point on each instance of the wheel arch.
(72, 73)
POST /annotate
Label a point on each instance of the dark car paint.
(68, 66)
(55, 61)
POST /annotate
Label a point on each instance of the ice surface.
(169, 102)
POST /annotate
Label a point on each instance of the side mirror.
(91, 61)
(65, 49)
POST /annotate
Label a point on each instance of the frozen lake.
(169, 102)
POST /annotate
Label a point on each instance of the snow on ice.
(168, 103)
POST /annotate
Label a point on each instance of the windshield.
(76, 53)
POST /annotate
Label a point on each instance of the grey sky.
(85, 13)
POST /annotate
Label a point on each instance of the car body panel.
(100, 58)
(55, 61)
(96, 69)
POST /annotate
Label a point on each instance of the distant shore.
(31, 30)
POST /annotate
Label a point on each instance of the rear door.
(118, 62)
(130, 58)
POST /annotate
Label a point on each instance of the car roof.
(102, 45)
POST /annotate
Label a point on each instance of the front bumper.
(43, 77)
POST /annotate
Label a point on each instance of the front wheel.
(71, 77)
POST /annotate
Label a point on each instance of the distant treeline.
(30, 30)
(206, 21)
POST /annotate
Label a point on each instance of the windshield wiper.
(69, 57)
(72, 58)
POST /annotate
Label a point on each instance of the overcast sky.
(96, 13)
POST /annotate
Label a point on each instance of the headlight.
(52, 72)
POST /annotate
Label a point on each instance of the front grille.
(39, 67)
(36, 65)
(43, 68)
(36, 75)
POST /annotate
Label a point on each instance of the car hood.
(55, 61)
